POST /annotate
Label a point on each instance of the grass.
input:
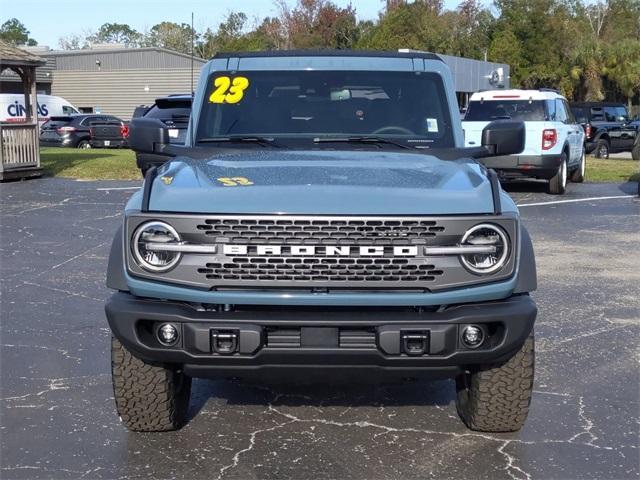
(120, 164)
(612, 170)
(98, 164)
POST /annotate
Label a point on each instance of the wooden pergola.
(19, 141)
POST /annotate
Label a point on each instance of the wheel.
(558, 184)
(577, 176)
(602, 149)
(149, 398)
(497, 398)
(83, 144)
(635, 153)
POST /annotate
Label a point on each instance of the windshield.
(520, 110)
(407, 106)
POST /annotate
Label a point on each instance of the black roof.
(329, 53)
(597, 104)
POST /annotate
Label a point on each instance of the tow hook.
(224, 342)
(415, 343)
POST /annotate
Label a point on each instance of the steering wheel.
(393, 129)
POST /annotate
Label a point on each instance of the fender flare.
(116, 278)
(527, 274)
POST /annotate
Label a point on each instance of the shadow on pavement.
(238, 393)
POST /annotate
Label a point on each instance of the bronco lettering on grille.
(321, 250)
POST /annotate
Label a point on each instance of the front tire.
(635, 153)
(497, 398)
(558, 184)
(149, 398)
(577, 176)
(84, 144)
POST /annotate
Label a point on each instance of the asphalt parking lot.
(58, 418)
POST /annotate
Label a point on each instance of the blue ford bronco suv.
(323, 217)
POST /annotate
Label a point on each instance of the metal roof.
(120, 59)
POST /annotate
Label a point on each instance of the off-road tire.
(558, 184)
(603, 149)
(578, 175)
(497, 398)
(149, 398)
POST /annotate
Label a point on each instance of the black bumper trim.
(512, 319)
(543, 166)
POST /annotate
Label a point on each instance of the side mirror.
(148, 135)
(503, 137)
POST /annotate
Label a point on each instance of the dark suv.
(174, 112)
(71, 130)
(607, 127)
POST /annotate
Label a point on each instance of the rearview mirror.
(148, 135)
(504, 137)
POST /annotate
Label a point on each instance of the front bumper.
(524, 166)
(357, 339)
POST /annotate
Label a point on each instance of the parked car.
(174, 112)
(71, 130)
(12, 107)
(554, 148)
(607, 127)
(109, 134)
(325, 217)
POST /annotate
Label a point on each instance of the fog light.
(472, 336)
(167, 334)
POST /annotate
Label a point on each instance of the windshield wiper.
(241, 139)
(362, 139)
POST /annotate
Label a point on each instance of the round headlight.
(496, 242)
(147, 244)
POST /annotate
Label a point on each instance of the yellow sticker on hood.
(235, 181)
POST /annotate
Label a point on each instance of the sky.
(48, 20)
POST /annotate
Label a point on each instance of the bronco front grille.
(311, 269)
(321, 231)
(295, 251)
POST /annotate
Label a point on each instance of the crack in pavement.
(65, 353)
(60, 290)
(511, 468)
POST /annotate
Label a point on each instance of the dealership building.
(112, 79)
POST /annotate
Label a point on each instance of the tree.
(73, 41)
(14, 32)
(318, 24)
(471, 26)
(232, 35)
(170, 35)
(622, 67)
(116, 33)
(418, 25)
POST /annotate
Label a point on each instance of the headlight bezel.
(504, 256)
(139, 258)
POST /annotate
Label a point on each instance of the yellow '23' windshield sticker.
(235, 181)
(228, 89)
